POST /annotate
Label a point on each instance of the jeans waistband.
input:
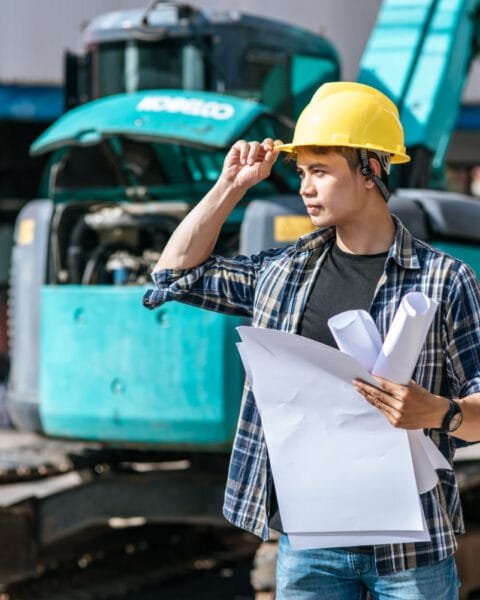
(360, 549)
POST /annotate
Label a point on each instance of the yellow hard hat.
(350, 114)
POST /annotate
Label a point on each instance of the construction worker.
(360, 257)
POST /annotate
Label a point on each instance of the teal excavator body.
(419, 54)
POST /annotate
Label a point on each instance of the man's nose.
(306, 186)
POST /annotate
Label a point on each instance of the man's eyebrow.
(313, 166)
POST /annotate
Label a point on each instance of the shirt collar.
(314, 240)
(402, 251)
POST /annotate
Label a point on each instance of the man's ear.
(375, 166)
(376, 169)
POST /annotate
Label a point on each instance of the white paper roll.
(357, 335)
(406, 336)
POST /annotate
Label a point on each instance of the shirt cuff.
(472, 386)
(154, 298)
(172, 284)
(167, 276)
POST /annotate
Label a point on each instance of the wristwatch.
(453, 419)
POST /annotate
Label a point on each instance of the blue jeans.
(336, 574)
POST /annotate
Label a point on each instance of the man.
(360, 257)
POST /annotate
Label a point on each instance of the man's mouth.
(313, 209)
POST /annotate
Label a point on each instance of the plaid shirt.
(272, 288)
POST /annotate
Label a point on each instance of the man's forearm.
(413, 407)
(469, 430)
(194, 239)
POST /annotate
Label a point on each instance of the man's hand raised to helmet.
(193, 241)
(248, 163)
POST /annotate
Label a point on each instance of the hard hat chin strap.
(366, 171)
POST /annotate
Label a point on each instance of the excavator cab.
(176, 46)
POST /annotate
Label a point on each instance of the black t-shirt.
(345, 282)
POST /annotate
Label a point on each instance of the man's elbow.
(169, 263)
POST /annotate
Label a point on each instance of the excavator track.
(144, 561)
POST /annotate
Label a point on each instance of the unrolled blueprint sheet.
(338, 465)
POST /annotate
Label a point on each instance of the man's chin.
(321, 222)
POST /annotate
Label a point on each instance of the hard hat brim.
(397, 157)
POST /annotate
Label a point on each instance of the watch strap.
(447, 425)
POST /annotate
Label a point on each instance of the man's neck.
(367, 236)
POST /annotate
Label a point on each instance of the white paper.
(405, 338)
(425, 474)
(436, 458)
(370, 474)
(245, 361)
(307, 541)
(356, 334)
(316, 423)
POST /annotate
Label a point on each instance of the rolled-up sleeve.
(221, 284)
(463, 332)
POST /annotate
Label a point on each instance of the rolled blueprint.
(405, 338)
(356, 334)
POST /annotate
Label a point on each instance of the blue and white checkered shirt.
(272, 288)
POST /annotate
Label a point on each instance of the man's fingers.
(254, 152)
(375, 395)
(383, 402)
(268, 148)
(239, 151)
(242, 148)
(268, 144)
(366, 387)
(395, 389)
(388, 385)
(249, 153)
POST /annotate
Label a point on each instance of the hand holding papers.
(330, 451)
(395, 360)
(356, 334)
(343, 474)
